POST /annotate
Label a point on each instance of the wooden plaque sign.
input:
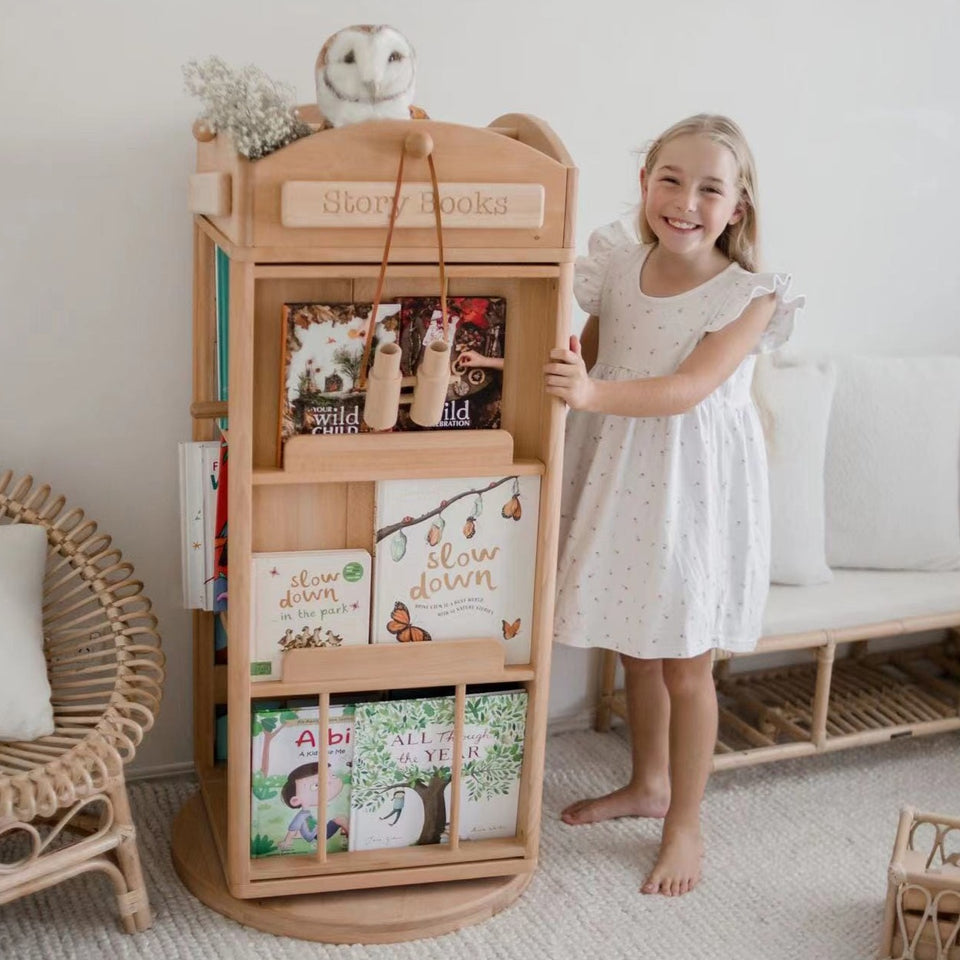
(312, 203)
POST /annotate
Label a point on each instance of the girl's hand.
(469, 358)
(566, 377)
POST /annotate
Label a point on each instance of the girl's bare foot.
(628, 801)
(677, 870)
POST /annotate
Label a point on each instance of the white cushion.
(857, 597)
(25, 711)
(794, 400)
(893, 450)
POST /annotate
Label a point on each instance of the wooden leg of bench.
(821, 696)
(608, 674)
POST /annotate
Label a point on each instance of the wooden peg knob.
(419, 144)
(202, 132)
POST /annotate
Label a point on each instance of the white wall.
(851, 107)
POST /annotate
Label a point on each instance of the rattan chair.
(63, 799)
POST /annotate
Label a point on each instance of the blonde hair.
(740, 240)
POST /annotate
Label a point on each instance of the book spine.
(191, 528)
(210, 479)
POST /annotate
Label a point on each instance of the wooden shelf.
(323, 496)
(359, 861)
(387, 666)
(408, 470)
(473, 271)
(353, 908)
(768, 714)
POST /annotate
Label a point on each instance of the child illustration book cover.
(306, 598)
(476, 331)
(323, 349)
(455, 558)
(285, 778)
(401, 792)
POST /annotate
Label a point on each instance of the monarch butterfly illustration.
(511, 509)
(510, 630)
(399, 625)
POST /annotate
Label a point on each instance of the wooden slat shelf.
(771, 714)
(872, 698)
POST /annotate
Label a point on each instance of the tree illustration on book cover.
(401, 778)
(322, 354)
(285, 774)
(456, 559)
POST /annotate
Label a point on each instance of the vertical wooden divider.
(322, 746)
(239, 493)
(456, 766)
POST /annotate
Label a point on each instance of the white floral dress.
(665, 521)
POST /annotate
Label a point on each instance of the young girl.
(665, 527)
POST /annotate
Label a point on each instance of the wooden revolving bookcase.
(508, 196)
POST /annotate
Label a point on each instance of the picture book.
(455, 558)
(322, 353)
(219, 580)
(306, 598)
(476, 329)
(401, 794)
(285, 771)
(211, 482)
(192, 534)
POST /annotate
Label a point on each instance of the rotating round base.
(379, 915)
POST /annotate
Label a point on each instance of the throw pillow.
(892, 487)
(794, 399)
(25, 710)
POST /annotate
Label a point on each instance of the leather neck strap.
(371, 324)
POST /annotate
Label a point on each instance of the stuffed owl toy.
(366, 72)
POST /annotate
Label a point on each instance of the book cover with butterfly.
(306, 598)
(285, 772)
(323, 346)
(455, 558)
(404, 749)
(476, 330)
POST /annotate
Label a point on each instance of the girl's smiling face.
(691, 195)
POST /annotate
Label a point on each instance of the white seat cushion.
(857, 597)
(25, 710)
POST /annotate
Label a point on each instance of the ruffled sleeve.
(748, 286)
(590, 271)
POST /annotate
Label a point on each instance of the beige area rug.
(795, 870)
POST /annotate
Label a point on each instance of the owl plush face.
(363, 72)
